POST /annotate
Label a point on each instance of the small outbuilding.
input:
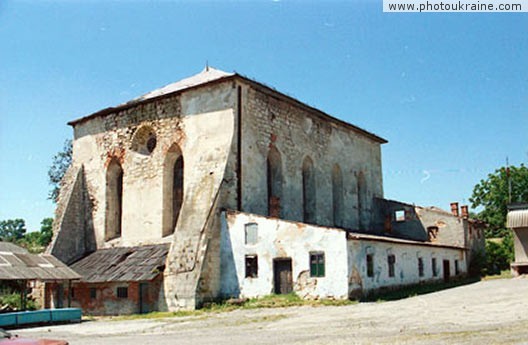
(518, 222)
(23, 271)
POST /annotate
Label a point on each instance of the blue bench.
(23, 318)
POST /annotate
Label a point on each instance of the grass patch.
(505, 274)
(270, 301)
(415, 290)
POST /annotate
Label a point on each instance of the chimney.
(454, 209)
(464, 211)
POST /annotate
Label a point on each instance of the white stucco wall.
(281, 239)
(406, 265)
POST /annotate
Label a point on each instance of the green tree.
(12, 230)
(46, 231)
(493, 195)
(61, 162)
(37, 241)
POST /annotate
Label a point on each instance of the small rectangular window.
(391, 259)
(251, 266)
(93, 293)
(317, 264)
(251, 233)
(420, 267)
(122, 292)
(433, 265)
(457, 269)
(399, 215)
(370, 265)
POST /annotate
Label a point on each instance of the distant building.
(518, 222)
(218, 186)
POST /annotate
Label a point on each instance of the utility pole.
(509, 180)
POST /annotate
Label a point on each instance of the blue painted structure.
(23, 318)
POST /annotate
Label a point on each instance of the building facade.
(202, 165)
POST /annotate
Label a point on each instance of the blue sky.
(449, 91)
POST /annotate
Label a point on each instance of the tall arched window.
(173, 187)
(362, 200)
(337, 195)
(114, 200)
(274, 182)
(308, 189)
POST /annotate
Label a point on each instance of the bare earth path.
(489, 312)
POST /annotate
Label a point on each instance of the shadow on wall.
(74, 220)
(230, 286)
(397, 219)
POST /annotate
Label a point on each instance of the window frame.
(122, 292)
(317, 268)
(251, 271)
(370, 265)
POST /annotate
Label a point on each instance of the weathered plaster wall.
(406, 264)
(297, 132)
(174, 120)
(451, 229)
(281, 239)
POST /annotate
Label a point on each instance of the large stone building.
(218, 186)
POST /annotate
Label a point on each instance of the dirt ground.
(488, 312)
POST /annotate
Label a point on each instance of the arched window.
(308, 189)
(274, 182)
(114, 200)
(173, 188)
(337, 195)
(362, 200)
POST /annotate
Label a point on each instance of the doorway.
(447, 272)
(282, 275)
(143, 298)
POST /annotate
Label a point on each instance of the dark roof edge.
(320, 113)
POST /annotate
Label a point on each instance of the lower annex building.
(218, 186)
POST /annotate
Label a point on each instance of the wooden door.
(447, 272)
(143, 298)
(282, 274)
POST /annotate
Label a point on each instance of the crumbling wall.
(279, 239)
(397, 219)
(406, 270)
(210, 148)
(73, 234)
(451, 229)
(297, 132)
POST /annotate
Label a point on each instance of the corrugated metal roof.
(123, 264)
(18, 264)
(517, 219)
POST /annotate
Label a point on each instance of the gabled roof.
(18, 264)
(123, 264)
(211, 75)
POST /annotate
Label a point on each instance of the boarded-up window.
(434, 268)
(251, 233)
(114, 200)
(317, 264)
(370, 265)
(122, 292)
(93, 293)
(391, 260)
(337, 195)
(274, 182)
(251, 266)
(308, 189)
(420, 267)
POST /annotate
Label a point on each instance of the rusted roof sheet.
(18, 264)
(123, 264)
(517, 219)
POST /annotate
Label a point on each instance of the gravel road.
(488, 312)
